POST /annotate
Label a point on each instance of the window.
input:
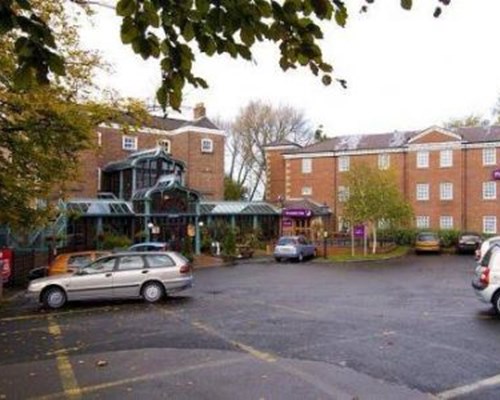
(422, 191)
(101, 266)
(489, 190)
(343, 193)
(128, 263)
(157, 261)
(446, 191)
(344, 225)
(129, 143)
(446, 158)
(423, 222)
(207, 146)
(344, 163)
(306, 165)
(165, 145)
(422, 159)
(446, 222)
(490, 224)
(489, 156)
(307, 191)
(384, 161)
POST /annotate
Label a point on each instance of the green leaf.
(125, 8)
(247, 36)
(188, 31)
(56, 64)
(406, 4)
(128, 31)
(202, 6)
(161, 96)
(326, 79)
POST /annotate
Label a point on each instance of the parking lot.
(407, 328)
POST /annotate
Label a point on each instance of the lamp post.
(325, 236)
(150, 228)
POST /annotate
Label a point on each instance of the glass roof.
(99, 207)
(237, 208)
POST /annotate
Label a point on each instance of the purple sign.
(287, 223)
(297, 212)
(496, 174)
(359, 231)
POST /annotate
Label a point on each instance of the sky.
(405, 70)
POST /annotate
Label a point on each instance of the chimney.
(199, 111)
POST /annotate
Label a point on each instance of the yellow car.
(69, 262)
(427, 242)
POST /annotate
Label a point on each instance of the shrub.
(187, 248)
(111, 241)
(229, 244)
(448, 237)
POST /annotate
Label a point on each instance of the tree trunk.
(365, 241)
(374, 248)
(352, 239)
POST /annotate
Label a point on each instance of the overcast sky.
(405, 70)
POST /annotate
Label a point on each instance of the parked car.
(427, 242)
(294, 247)
(67, 262)
(486, 281)
(481, 250)
(149, 246)
(468, 242)
(150, 275)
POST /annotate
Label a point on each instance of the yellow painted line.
(53, 314)
(66, 374)
(143, 378)
(268, 357)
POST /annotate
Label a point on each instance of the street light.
(325, 236)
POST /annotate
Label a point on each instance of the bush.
(229, 244)
(187, 248)
(111, 241)
(449, 237)
(401, 236)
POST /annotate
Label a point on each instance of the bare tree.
(257, 125)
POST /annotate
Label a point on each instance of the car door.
(95, 281)
(128, 276)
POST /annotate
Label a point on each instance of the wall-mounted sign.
(287, 223)
(496, 174)
(297, 212)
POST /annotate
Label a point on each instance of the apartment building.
(197, 142)
(448, 175)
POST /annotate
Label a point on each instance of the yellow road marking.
(467, 389)
(137, 379)
(66, 374)
(248, 349)
(52, 314)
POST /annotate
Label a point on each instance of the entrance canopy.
(237, 208)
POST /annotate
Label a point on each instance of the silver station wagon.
(147, 275)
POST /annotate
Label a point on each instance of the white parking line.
(466, 389)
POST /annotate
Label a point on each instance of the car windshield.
(470, 237)
(426, 237)
(286, 241)
(487, 256)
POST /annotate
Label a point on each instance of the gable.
(435, 135)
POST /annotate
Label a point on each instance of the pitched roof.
(282, 142)
(394, 140)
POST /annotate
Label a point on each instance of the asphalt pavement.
(409, 328)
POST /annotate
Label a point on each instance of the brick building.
(448, 175)
(197, 142)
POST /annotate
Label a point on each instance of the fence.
(25, 260)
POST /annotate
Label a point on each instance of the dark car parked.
(468, 242)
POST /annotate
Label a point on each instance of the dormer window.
(207, 146)
(129, 143)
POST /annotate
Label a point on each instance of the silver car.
(150, 275)
(296, 247)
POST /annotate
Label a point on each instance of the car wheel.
(54, 298)
(496, 302)
(152, 292)
(300, 257)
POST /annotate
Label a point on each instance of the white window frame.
(306, 165)
(344, 163)
(307, 191)
(446, 222)
(423, 221)
(99, 139)
(490, 224)
(207, 145)
(446, 191)
(342, 222)
(422, 159)
(384, 161)
(490, 156)
(343, 194)
(422, 192)
(129, 143)
(166, 144)
(489, 190)
(446, 158)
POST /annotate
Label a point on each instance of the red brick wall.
(275, 175)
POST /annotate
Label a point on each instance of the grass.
(397, 252)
